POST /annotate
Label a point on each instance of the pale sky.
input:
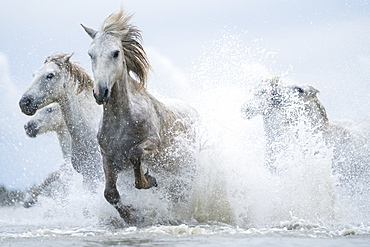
(322, 43)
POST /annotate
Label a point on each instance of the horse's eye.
(298, 90)
(49, 76)
(50, 109)
(115, 54)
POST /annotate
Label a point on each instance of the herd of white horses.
(112, 123)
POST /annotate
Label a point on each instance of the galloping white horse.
(49, 119)
(284, 107)
(135, 125)
(65, 82)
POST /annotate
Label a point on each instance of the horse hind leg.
(142, 180)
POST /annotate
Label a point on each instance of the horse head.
(47, 85)
(268, 96)
(304, 98)
(47, 119)
(285, 102)
(115, 51)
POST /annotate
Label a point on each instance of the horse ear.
(90, 31)
(125, 32)
(66, 58)
(274, 82)
(312, 91)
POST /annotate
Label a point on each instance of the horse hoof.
(130, 215)
(152, 181)
(134, 220)
(29, 203)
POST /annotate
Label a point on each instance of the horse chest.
(117, 138)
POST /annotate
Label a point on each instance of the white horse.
(135, 125)
(282, 107)
(285, 107)
(65, 82)
(50, 119)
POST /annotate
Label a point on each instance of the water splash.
(306, 188)
(230, 190)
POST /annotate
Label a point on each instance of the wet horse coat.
(65, 82)
(49, 119)
(287, 109)
(283, 108)
(134, 124)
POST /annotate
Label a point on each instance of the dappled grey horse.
(135, 124)
(49, 119)
(65, 82)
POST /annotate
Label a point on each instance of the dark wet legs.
(112, 195)
(142, 180)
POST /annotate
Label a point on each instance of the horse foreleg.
(112, 195)
(142, 180)
(38, 190)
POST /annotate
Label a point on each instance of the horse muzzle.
(31, 129)
(102, 95)
(28, 105)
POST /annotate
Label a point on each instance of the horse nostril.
(106, 93)
(31, 129)
(29, 105)
(102, 95)
(95, 96)
(26, 102)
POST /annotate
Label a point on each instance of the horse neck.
(321, 112)
(276, 124)
(77, 110)
(65, 142)
(121, 94)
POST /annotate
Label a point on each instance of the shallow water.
(211, 234)
(230, 199)
(234, 201)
